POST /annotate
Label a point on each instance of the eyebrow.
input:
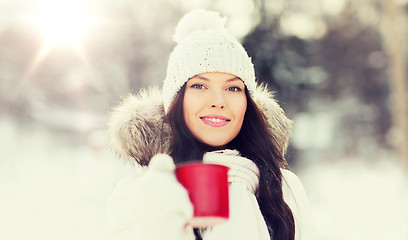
(206, 79)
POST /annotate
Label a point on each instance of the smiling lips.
(215, 120)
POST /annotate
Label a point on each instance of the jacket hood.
(137, 129)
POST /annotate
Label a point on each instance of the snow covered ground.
(354, 199)
(51, 188)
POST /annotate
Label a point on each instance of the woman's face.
(214, 107)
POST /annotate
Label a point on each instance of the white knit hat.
(204, 45)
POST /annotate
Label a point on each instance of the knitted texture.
(245, 213)
(204, 45)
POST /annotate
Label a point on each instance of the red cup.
(207, 187)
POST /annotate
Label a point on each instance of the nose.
(217, 100)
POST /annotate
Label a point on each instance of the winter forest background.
(338, 68)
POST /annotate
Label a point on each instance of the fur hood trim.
(137, 129)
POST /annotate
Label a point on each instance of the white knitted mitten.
(246, 220)
(151, 206)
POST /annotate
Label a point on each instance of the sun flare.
(63, 22)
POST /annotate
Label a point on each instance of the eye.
(197, 86)
(234, 89)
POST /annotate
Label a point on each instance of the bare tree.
(394, 30)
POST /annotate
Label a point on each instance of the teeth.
(215, 119)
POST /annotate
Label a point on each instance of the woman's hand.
(151, 206)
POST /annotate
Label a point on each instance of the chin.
(215, 142)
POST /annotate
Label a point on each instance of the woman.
(211, 109)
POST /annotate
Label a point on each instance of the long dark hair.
(254, 142)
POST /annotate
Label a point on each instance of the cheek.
(240, 106)
(190, 106)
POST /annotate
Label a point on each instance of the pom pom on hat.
(198, 20)
(204, 45)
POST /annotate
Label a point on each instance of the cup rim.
(199, 163)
